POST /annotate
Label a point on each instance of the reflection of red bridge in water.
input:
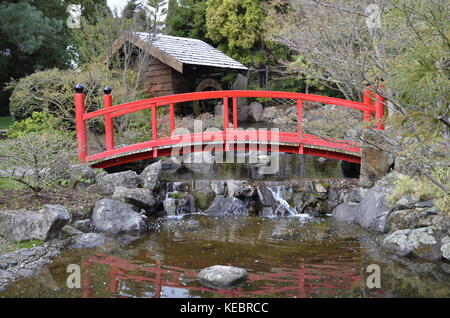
(226, 140)
(306, 280)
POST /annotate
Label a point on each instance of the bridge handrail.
(187, 97)
(371, 105)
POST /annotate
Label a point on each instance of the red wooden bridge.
(231, 138)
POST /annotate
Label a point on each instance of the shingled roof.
(177, 51)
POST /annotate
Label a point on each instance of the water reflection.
(290, 166)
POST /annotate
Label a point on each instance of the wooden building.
(178, 65)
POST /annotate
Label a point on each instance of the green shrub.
(53, 91)
(39, 122)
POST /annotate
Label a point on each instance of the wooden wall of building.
(157, 78)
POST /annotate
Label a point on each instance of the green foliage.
(52, 91)
(37, 160)
(187, 18)
(131, 8)
(9, 184)
(237, 27)
(28, 244)
(5, 122)
(38, 122)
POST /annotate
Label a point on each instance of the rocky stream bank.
(409, 227)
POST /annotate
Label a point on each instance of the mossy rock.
(203, 200)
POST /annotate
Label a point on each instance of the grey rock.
(218, 187)
(346, 212)
(409, 219)
(82, 175)
(179, 203)
(141, 198)
(243, 112)
(68, 231)
(23, 225)
(406, 202)
(425, 204)
(270, 113)
(88, 240)
(227, 206)
(114, 217)
(423, 242)
(218, 276)
(445, 249)
(150, 176)
(170, 164)
(375, 163)
(83, 225)
(199, 162)
(108, 182)
(237, 188)
(372, 210)
(255, 111)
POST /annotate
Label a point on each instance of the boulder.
(142, 198)
(179, 203)
(346, 212)
(108, 182)
(270, 113)
(264, 160)
(445, 248)
(375, 163)
(170, 164)
(218, 187)
(82, 175)
(203, 198)
(115, 217)
(406, 202)
(423, 242)
(243, 113)
(409, 219)
(255, 111)
(237, 188)
(291, 113)
(218, 109)
(149, 177)
(21, 225)
(83, 225)
(199, 162)
(219, 276)
(373, 210)
(227, 206)
(87, 240)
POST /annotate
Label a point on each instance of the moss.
(29, 244)
(175, 195)
(203, 199)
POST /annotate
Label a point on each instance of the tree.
(398, 47)
(131, 8)
(35, 37)
(37, 160)
(187, 18)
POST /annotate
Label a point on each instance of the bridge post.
(300, 124)
(225, 123)
(154, 129)
(235, 115)
(80, 109)
(379, 111)
(367, 100)
(109, 128)
(172, 118)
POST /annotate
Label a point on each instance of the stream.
(293, 256)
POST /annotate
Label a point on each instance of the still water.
(285, 257)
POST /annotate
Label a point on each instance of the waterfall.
(283, 204)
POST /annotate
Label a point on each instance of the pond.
(284, 257)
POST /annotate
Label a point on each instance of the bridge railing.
(372, 107)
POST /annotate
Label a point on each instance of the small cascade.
(282, 204)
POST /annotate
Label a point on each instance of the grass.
(9, 184)
(28, 244)
(6, 122)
